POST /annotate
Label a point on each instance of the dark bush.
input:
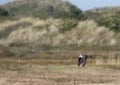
(3, 12)
(75, 13)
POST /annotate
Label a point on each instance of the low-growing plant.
(68, 24)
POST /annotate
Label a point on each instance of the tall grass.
(48, 32)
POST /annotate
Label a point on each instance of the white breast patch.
(80, 56)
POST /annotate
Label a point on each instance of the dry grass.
(60, 68)
(30, 65)
(47, 32)
(60, 74)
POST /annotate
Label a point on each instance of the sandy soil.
(46, 75)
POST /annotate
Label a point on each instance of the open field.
(22, 72)
(59, 68)
(40, 41)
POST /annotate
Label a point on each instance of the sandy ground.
(57, 75)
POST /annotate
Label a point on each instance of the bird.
(82, 59)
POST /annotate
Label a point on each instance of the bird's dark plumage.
(82, 59)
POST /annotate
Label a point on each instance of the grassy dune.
(48, 32)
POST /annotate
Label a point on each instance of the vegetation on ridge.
(108, 17)
(44, 9)
(57, 24)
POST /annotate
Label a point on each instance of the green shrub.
(68, 24)
(111, 21)
(75, 13)
(3, 12)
